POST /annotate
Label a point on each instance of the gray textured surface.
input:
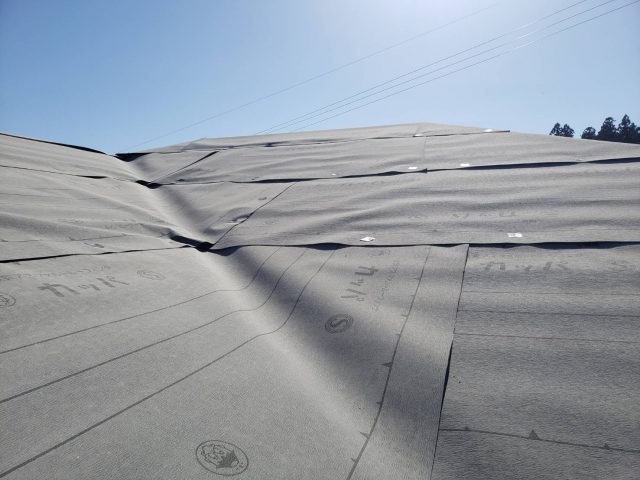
(513, 149)
(576, 203)
(403, 443)
(299, 350)
(306, 161)
(473, 455)
(44, 214)
(238, 349)
(358, 152)
(23, 153)
(545, 371)
(344, 134)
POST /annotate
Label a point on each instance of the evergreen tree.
(564, 131)
(627, 131)
(567, 131)
(635, 133)
(608, 130)
(556, 130)
(589, 133)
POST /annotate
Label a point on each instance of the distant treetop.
(626, 131)
(564, 131)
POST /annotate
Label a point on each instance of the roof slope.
(412, 301)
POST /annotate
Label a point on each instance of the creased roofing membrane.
(406, 302)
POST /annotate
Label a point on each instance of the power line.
(469, 66)
(318, 76)
(345, 101)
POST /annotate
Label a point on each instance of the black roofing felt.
(414, 301)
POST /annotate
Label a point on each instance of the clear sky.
(113, 74)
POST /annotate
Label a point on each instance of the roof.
(410, 301)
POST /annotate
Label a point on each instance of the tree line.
(625, 132)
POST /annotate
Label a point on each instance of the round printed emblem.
(6, 300)
(222, 458)
(338, 323)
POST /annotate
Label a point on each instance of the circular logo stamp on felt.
(222, 458)
(338, 323)
(6, 300)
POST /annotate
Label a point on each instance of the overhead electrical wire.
(306, 116)
(318, 76)
(346, 100)
(471, 65)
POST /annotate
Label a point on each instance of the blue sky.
(112, 75)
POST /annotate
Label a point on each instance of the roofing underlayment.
(406, 302)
